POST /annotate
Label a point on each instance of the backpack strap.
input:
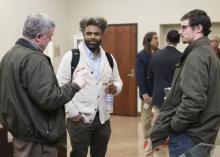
(75, 61)
(110, 60)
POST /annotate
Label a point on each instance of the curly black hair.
(96, 21)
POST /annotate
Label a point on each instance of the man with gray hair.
(214, 43)
(31, 101)
(88, 113)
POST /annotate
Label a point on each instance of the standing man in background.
(31, 101)
(191, 112)
(214, 43)
(88, 115)
(162, 68)
(150, 43)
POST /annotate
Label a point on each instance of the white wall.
(14, 12)
(148, 14)
(67, 14)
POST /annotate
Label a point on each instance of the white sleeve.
(63, 77)
(71, 110)
(116, 77)
(64, 69)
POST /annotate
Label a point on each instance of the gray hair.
(96, 21)
(214, 38)
(37, 23)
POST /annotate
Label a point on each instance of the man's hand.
(146, 98)
(79, 81)
(78, 118)
(148, 150)
(111, 88)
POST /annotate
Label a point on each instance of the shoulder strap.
(75, 60)
(110, 60)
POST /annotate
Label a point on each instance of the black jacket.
(161, 71)
(141, 70)
(193, 103)
(31, 101)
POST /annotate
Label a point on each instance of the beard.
(94, 45)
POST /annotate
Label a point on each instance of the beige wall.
(148, 14)
(67, 13)
(14, 12)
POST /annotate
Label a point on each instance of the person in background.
(150, 44)
(191, 112)
(31, 101)
(214, 43)
(162, 68)
(88, 115)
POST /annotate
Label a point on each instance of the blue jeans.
(179, 144)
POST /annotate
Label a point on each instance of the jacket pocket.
(8, 117)
(56, 126)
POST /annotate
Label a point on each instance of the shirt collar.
(29, 44)
(35, 45)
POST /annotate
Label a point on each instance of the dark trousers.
(30, 149)
(83, 135)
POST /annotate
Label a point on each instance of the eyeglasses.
(184, 27)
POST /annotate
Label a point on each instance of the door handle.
(131, 74)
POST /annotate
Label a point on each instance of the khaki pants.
(155, 111)
(148, 117)
(29, 149)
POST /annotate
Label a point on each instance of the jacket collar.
(193, 45)
(170, 47)
(28, 44)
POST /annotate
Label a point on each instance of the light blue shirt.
(94, 63)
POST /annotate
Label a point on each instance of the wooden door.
(121, 41)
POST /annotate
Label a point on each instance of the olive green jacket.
(193, 103)
(31, 101)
